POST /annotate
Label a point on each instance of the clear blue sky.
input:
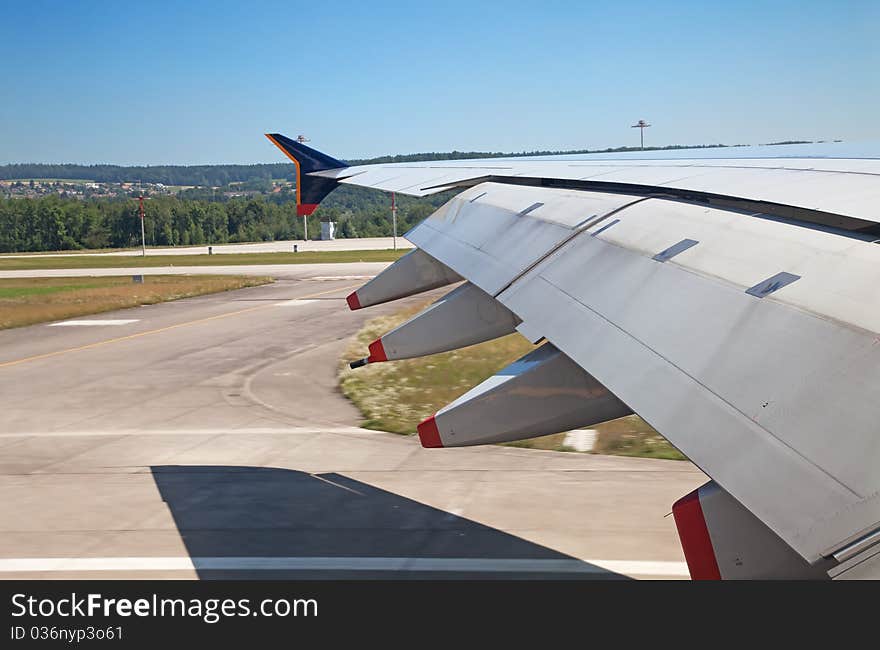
(199, 82)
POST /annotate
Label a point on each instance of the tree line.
(56, 223)
(219, 175)
(207, 175)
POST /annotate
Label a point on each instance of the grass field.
(27, 301)
(26, 263)
(396, 396)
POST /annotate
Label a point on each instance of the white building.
(328, 230)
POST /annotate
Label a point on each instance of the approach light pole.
(641, 126)
(143, 237)
(394, 219)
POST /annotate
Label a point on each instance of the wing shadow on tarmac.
(263, 522)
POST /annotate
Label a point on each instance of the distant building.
(328, 230)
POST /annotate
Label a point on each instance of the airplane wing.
(731, 303)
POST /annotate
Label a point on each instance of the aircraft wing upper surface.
(840, 187)
(732, 304)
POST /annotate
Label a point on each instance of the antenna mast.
(641, 126)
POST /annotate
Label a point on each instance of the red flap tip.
(429, 434)
(377, 352)
(694, 536)
(353, 302)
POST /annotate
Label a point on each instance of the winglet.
(310, 190)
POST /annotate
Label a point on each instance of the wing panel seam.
(575, 232)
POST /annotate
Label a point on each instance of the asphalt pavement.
(206, 438)
(282, 246)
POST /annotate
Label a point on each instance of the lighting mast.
(141, 211)
(641, 126)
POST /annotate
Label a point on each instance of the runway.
(206, 438)
(355, 271)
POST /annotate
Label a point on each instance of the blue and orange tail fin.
(310, 190)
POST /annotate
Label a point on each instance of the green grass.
(26, 301)
(25, 263)
(396, 396)
(632, 436)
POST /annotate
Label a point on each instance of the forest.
(199, 214)
(55, 223)
(219, 175)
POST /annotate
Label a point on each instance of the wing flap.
(504, 229)
(782, 487)
(771, 400)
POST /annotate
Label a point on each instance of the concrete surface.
(356, 271)
(285, 246)
(208, 439)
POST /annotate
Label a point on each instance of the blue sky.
(199, 82)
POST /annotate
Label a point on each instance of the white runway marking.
(491, 565)
(296, 302)
(92, 323)
(580, 439)
(342, 277)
